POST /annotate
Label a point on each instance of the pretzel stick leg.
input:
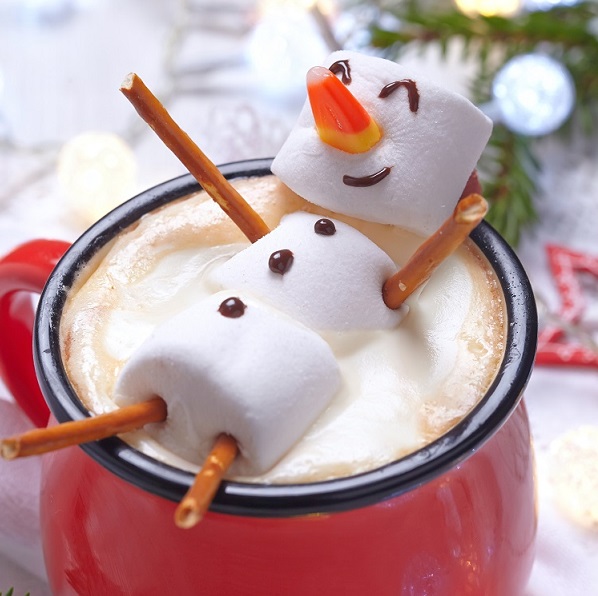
(468, 213)
(198, 498)
(206, 173)
(43, 440)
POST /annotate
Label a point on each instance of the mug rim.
(274, 500)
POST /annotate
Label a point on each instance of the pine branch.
(508, 170)
(565, 27)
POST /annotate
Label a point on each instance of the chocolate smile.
(368, 180)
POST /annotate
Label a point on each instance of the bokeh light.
(574, 474)
(97, 172)
(284, 44)
(504, 8)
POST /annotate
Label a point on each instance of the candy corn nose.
(341, 120)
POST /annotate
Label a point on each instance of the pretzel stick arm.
(193, 158)
(44, 440)
(198, 498)
(468, 213)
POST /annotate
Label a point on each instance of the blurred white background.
(232, 73)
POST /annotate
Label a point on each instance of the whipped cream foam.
(401, 387)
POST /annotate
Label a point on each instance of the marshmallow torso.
(334, 282)
(259, 377)
(431, 151)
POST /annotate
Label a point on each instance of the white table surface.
(62, 78)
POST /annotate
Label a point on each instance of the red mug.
(456, 517)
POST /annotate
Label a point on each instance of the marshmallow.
(334, 281)
(431, 151)
(259, 377)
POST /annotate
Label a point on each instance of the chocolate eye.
(342, 67)
(412, 92)
(232, 308)
(280, 261)
(324, 227)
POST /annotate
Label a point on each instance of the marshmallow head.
(320, 271)
(229, 365)
(431, 140)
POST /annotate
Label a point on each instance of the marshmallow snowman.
(247, 361)
(230, 365)
(409, 167)
(374, 141)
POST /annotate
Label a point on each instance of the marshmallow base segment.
(261, 378)
(334, 283)
(431, 152)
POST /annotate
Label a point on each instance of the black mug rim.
(264, 500)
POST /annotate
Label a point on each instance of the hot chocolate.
(402, 387)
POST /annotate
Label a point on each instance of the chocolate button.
(280, 261)
(233, 308)
(324, 227)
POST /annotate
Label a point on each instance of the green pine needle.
(508, 168)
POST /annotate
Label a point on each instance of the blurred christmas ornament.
(574, 474)
(97, 172)
(563, 339)
(534, 94)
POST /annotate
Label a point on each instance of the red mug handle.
(23, 271)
